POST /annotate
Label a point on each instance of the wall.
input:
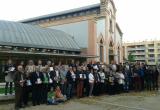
(101, 33)
(78, 29)
(118, 39)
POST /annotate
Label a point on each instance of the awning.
(49, 54)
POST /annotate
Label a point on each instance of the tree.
(131, 58)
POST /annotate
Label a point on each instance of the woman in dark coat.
(71, 76)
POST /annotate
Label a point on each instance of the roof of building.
(119, 29)
(62, 13)
(24, 35)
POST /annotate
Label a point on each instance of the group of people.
(52, 83)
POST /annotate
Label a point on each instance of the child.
(59, 96)
(51, 97)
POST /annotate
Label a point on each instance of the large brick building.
(94, 28)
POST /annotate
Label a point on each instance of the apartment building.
(145, 51)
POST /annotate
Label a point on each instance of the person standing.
(155, 79)
(19, 81)
(91, 82)
(45, 85)
(142, 74)
(102, 81)
(9, 76)
(126, 80)
(30, 68)
(36, 79)
(86, 80)
(71, 78)
(137, 79)
(63, 72)
(57, 76)
(149, 78)
(97, 80)
(80, 82)
(121, 81)
(111, 83)
(51, 75)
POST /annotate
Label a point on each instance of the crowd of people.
(52, 83)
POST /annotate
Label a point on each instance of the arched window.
(111, 53)
(111, 26)
(101, 52)
(118, 55)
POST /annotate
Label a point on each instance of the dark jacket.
(97, 77)
(51, 75)
(18, 77)
(69, 78)
(35, 76)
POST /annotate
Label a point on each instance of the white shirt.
(102, 75)
(121, 78)
(91, 78)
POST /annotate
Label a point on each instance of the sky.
(138, 19)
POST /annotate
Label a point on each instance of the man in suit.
(36, 79)
(19, 81)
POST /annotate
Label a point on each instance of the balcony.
(150, 52)
(151, 58)
(151, 48)
(140, 58)
(151, 63)
(139, 53)
(139, 48)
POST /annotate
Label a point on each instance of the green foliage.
(2, 90)
(131, 58)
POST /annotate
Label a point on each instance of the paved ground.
(131, 101)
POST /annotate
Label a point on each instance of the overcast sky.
(138, 19)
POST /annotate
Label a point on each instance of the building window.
(151, 55)
(111, 24)
(151, 60)
(101, 51)
(150, 45)
(151, 50)
(111, 53)
(118, 55)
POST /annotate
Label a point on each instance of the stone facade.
(99, 34)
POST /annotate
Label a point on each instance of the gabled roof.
(119, 29)
(24, 35)
(62, 13)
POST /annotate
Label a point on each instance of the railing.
(151, 63)
(138, 58)
(139, 53)
(151, 48)
(151, 58)
(136, 48)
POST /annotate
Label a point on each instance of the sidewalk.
(6, 97)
